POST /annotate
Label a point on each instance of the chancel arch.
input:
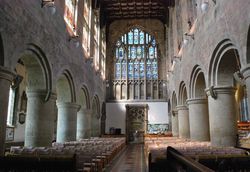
(67, 108)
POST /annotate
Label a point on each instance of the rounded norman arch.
(38, 68)
(182, 94)
(65, 87)
(224, 63)
(197, 83)
(83, 98)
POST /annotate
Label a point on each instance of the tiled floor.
(131, 160)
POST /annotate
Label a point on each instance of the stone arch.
(224, 62)
(95, 116)
(248, 45)
(65, 87)
(83, 115)
(39, 75)
(174, 100)
(34, 67)
(1, 51)
(197, 83)
(182, 94)
(83, 98)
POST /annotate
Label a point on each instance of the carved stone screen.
(136, 122)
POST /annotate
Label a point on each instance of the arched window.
(136, 56)
(86, 26)
(70, 14)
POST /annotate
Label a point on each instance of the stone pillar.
(222, 115)
(198, 119)
(246, 74)
(83, 124)
(175, 125)
(183, 121)
(6, 78)
(66, 121)
(39, 125)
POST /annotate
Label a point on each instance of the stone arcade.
(102, 80)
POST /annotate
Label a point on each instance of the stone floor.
(131, 160)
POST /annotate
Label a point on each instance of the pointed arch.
(224, 62)
(84, 100)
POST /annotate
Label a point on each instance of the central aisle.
(131, 160)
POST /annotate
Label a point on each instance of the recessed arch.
(83, 98)
(224, 62)
(1, 52)
(182, 94)
(197, 83)
(39, 75)
(65, 87)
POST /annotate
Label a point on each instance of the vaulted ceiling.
(134, 9)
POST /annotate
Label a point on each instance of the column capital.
(39, 93)
(68, 105)
(174, 112)
(225, 89)
(246, 71)
(181, 107)
(7, 74)
(197, 101)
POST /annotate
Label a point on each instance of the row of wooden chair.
(91, 154)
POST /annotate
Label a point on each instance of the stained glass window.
(136, 56)
(118, 70)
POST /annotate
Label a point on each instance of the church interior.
(124, 85)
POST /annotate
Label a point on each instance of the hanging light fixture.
(204, 6)
(50, 4)
(74, 40)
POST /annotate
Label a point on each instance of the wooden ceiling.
(135, 9)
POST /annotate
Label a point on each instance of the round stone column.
(39, 125)
(246, 74)
(6, 77)
(183, 121)
(198, 119)
(175, 126)
(222, 115)
(66, 121)
(83, 124)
